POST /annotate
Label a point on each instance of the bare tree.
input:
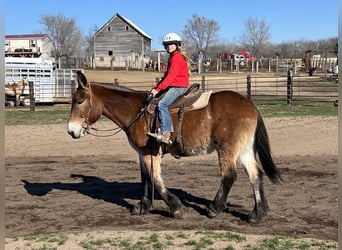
(89, 41)
(66, 36)
(200, 33)
(255, 36)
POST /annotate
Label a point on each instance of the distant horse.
(229, 124)
(16, 89)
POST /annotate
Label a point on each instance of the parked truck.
(242, 58)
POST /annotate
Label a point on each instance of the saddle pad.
(200, 103)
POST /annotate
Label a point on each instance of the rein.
(113, 129)
(103, 130)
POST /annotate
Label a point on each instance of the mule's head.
(84, 110)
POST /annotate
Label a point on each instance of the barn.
(121, 44)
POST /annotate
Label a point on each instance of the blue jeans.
(163, 108)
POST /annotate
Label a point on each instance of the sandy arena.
(57, 184)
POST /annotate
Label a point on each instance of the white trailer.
(49, 85)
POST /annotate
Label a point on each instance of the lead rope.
(152, 181)
(151, 172)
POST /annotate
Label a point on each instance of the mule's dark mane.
(117, 87)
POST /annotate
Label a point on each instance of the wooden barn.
(121, 44)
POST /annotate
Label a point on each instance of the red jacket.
(177, 74)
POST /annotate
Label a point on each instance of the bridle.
(117, 130)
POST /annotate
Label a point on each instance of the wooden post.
(73, 87)
(220, 65)
(249, 94)
(31, 93)
(203, 82)
(289, 88)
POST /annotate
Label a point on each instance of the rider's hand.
(154, 92)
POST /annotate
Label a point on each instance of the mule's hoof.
(211, 213)
(253, 219)
(143, 207)
(138, 210)
(135, 210)
(178, 214)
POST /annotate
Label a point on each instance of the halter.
(119, 129)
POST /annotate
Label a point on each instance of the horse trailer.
(49, 85)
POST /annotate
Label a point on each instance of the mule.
(229, 124)
(16, 90)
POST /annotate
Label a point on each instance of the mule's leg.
(261, 205)
(228, 177)
(145, 203)
(170, 199)
(255, 175)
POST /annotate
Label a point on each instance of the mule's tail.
(262, 148)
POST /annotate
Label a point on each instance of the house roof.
(26, 36)
(117, 15)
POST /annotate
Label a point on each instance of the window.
(127, 28)
(110, 53)
(109, 28)
(32, 43)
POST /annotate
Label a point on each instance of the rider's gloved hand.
(154, 92)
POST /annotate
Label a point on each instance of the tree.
(255, 36)
(200, 33)
(66, 36)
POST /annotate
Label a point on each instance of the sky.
(289, 20)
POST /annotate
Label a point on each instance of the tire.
(26, 101)
(10, 103)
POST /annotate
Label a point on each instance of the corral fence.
(287, 88)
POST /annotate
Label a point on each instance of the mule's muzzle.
(73, 135)
(76, 131)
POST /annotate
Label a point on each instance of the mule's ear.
(81, 79)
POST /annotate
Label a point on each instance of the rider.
(175, 82)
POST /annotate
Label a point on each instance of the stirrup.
(159, 137)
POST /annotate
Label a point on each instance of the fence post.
(203, 82)
(73, 87)
(249, 94)
(31, 94)
(289, 88)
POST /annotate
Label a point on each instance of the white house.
(28, 45)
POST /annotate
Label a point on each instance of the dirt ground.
(57, 184)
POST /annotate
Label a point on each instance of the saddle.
(194, 98)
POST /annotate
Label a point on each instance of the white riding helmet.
(172, 38)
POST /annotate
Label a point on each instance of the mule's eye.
(80, 101)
